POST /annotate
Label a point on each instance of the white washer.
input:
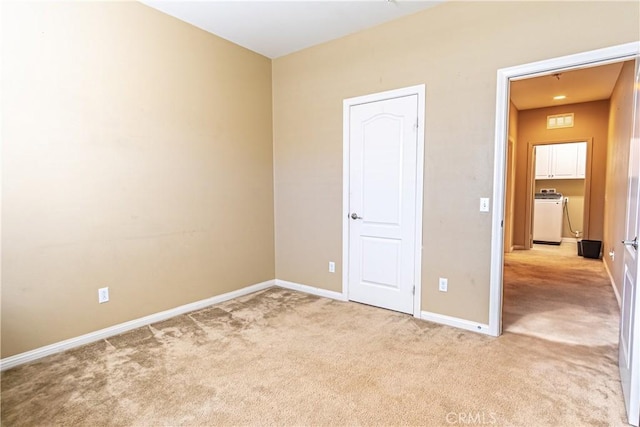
(547, 218)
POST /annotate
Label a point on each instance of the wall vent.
(560, 121)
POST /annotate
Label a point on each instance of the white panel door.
(382, 202)
(629, 347)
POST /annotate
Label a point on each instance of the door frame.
(619, 53)
(509, 198)
(418, 90)
(528, 221)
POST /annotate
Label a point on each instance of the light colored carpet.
(280, 357)
(553, 294)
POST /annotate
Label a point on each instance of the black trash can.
(591, 248)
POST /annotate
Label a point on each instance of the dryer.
(547, 218)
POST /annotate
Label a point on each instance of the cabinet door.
(565, 161)
(582, 160)
(543, 161)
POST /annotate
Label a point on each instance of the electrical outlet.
(566, 200)
(332, 267)
(442, 284)
(484, 204)
(103, 295)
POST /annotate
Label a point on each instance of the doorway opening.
(553, 168)
(615, 179)
(504, 178)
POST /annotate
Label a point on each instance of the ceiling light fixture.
(559, 97)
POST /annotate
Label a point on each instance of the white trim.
(613, 284)
(417, 296)
(570, 240)
(311, 290)
(346, 162)
(597, 57)
(420, 91)
(38, 353)
(456, 322)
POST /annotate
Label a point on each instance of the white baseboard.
(569, 240)
(424, 315)
(455, 322)
(613, 284)
(29, 356)
(311, 290)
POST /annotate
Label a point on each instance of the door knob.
(355, 216)
(633, 243)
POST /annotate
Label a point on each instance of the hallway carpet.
(553, 294)
(280, 357)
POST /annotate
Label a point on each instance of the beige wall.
(620, 129)
(137, 154)
(513, 121)
(574, 190)
(590, 123)
(455, 49)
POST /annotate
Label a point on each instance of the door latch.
(633, 243)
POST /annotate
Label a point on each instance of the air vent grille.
(560, 121)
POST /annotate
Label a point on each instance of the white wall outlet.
(442, 284)
(484, 204)
(566, 200)
(103, 295)
(332, 267)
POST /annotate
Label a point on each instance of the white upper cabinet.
(561, 161)
(543, 161)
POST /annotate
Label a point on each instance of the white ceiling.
(584, 85)
(277, 28)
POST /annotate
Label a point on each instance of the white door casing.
(629, 345)
(382, 223)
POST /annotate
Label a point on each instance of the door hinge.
(502, 223)
(413, 291)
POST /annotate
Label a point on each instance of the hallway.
(552, 293)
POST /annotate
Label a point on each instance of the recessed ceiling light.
(559, 97)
